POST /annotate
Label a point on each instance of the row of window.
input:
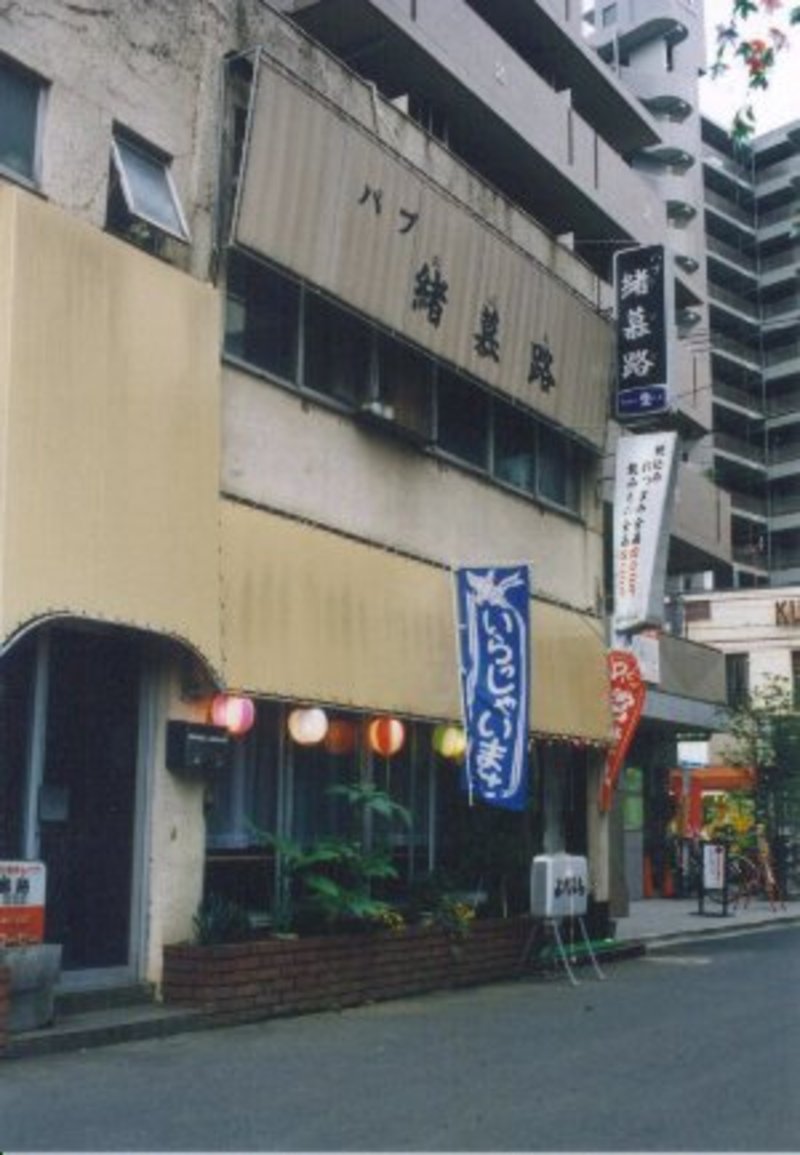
(283, 328)
(142, 200)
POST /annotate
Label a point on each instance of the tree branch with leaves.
(758, 53)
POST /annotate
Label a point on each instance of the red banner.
(628, 693)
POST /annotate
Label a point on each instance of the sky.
(780, 103)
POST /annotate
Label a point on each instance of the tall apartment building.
(303, 305)
(752, 214)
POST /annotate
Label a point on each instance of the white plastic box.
(559, 886)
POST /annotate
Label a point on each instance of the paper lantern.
(386, 735)
(235, 714)
(450, 742)
(341, 737)
(308, 725)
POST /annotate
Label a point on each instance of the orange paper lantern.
(341, 737)
(386, 736)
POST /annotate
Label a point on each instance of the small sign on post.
(714, 876)
(22, 902)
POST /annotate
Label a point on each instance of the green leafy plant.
(220, 920)
(330, 884)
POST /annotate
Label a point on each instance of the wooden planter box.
(261, 979)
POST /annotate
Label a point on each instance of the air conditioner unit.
(559, 886)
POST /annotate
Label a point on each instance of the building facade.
(302, 308)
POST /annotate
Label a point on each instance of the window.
(737, 679)
(515, 448)
(142, 196)
(338, 351)
(262, 317)
(405, 385)
(20, 99)
(558, 470)
(462, 419)
(609, 15)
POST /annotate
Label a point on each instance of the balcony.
(749, 403)
(739, 448)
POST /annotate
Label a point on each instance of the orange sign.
(22, 891)
(628, 693)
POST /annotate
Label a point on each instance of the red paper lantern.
(341, 737)
(386, 735)
(235, 714)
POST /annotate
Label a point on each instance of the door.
(86, 803)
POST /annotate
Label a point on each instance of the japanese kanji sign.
(642, 300)
(493, 642)
(22, 891)
(627, 701)
(643, 494)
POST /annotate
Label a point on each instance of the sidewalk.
(660, 921)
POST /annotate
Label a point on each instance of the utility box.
(559, 886)
(194, 749)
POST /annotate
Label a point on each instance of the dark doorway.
(87, 797)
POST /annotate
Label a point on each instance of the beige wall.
(747, 621)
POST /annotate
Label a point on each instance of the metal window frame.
(152, 155)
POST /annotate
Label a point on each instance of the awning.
(311, 615)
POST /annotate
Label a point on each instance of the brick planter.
(255, 980)
(5, 1006)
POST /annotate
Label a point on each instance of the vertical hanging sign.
(643, 294)
(493, 610)
(644, 491)
(627, 701)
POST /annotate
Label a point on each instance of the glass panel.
(405, 378)
(515, 448)
(463, 419)
(262, 317)
(337, 351)
(19, 100)
(558, 469)
(147, 188)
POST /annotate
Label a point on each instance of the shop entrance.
(87, 793)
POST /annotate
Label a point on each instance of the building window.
(143, 204)
(609, 15)
(515, 448)
(405, 386)
(262, 317)
(20, 99)
(462, 427)
(338, 351)
(737, 679)
(558, 470)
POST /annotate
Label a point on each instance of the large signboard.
(644, 490)
(22, 894)
(494, 657)
(643, 293)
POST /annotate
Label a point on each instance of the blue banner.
(492, 607)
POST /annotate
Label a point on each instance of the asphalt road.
(692, 1049)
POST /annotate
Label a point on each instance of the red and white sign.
(22, 891)
(628, 692)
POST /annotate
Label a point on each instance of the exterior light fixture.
(307, 725)
(386, 736)
(450, 742)
(235, 714)
(341, 737)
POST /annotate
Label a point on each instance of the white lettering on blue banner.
(493, 605)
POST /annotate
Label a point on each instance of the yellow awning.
(311, 615)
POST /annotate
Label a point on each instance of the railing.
(782, 403)
(782, 354)
(783, 503)
(726, 443)
(736, 256)
(730, 208)
(751, 555)
(788, 451)
(780, 260)
(735, 301)
(743, 352)
(741, 397)
(749, 503)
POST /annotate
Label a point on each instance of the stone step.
(103, 1026)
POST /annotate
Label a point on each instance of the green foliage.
(219, 920)
(330, 883)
